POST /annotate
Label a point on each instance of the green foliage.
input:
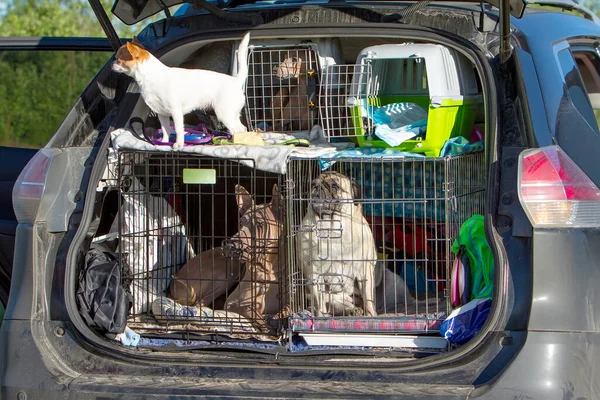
(38, 88)
(57, 18)
(593, 5)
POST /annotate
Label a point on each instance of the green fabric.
(472, 236)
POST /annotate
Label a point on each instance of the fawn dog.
(257, 246)
(252, 252)
(338, 265)
(291, 104)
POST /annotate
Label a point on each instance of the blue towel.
(460, 145)
(327, 160)
(396, 123)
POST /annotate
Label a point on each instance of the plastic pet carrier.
(368, 101)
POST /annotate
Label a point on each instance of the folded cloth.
(459, 145)
(167, 310)
(396, 123)
(397, 115)
(128, 338)
(396, 136)
(326, 160)
(270, 158)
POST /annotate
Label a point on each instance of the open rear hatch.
(257, 253)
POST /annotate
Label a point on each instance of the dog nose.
(232, 248)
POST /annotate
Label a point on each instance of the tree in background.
(57, 18)
(38, 88)
(593, 5)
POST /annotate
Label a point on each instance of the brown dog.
(205, 278)
(257, 246)
(291, 104)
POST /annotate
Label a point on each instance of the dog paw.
(177, 145)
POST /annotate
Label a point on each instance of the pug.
(336, 249)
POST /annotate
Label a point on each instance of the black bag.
(103, 301)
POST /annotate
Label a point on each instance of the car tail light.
(555, 192)
(30, 186)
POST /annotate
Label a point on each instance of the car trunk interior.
(347, 245)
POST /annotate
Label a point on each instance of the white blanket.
(269, 158)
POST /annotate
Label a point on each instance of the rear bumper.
(41, 374)
(549, 365)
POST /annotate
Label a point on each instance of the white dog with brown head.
(173, 92)
(336, 249)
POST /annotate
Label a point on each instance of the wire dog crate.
(203, 237)
(281, 90)
(411, 209)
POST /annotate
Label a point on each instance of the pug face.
(331, 191)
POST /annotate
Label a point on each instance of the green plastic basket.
(452, 118)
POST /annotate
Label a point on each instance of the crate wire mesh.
(338, 93)
(281, 89)
(179, 215)
(413, 207)
(346, 89)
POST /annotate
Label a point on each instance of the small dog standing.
(336, 248)
(174, 92)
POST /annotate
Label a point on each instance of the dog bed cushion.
(302, 322)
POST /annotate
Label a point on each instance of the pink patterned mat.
(302, 322)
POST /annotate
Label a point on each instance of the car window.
(576, 129)
(588, 64)
(575, 98)
(37, 90)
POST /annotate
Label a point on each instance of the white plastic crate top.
(449, 74)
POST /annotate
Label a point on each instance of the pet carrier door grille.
(281, 90)
(202, 237)
(350, 93)
(344, 87)
(391, 222)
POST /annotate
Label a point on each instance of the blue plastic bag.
(466, 321)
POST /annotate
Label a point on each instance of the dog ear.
(134, 51)
(276, 201)
(243, 199)
(356, 193)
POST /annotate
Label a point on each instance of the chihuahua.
(174, 92)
